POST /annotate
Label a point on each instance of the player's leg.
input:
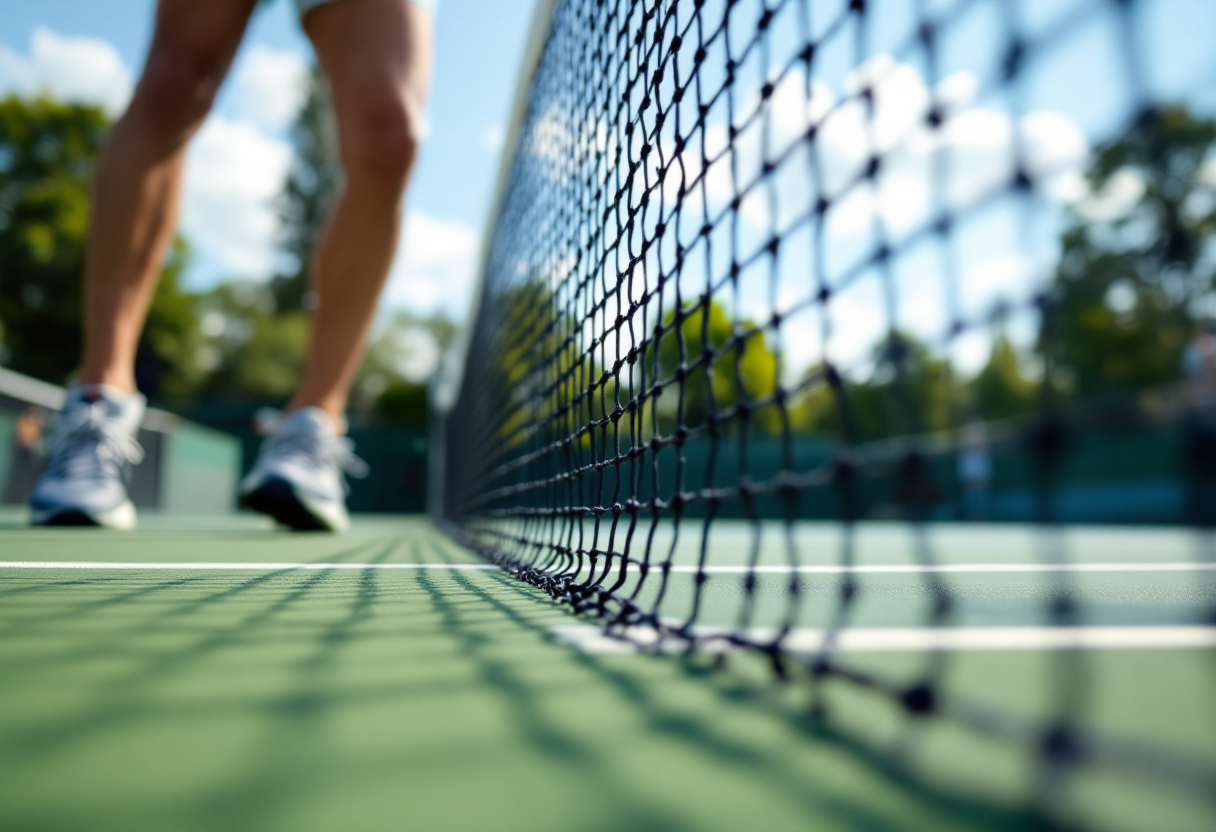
(137, 184)
(376, 56)
(135, 197)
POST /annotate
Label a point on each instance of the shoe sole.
(122, 518)
(277, 498)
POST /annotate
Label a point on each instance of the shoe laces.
(318, 451)
(88, 442)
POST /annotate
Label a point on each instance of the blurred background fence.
(1138, 461)
(1130, 474)
(1142, 461)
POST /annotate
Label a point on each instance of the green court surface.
(281, 691)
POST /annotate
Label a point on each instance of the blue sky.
(60, 44)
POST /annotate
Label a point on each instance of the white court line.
(244, 567)
(920, 569)
(907, 639)
(837, 569)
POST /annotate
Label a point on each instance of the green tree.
(404, 404)
(256, 354)
(310, 188)
(742, 370)
(907, 390)
(173, 349)
(47, 152)
(999, 390)
(46, 160)
(1133, 270)
(404, 351)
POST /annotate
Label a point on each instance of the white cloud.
(233, 174)
(73, 69)
(1207, 172)
(1122, 192)
(435, 267)
(269, 87)
(978, 145)
(552, 140)
(493, 137)
(420, 354)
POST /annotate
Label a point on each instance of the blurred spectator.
(1199, 365)
(27, 455)
(266, 420)
(975, 470)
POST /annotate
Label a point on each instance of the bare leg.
(376, 54)
(137, 187)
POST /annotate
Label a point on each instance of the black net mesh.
(786, 293)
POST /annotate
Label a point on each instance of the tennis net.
(761, 263)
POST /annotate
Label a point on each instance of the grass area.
(440, 699)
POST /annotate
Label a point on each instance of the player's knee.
(176, 89)
(380, 145)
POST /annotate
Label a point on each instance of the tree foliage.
(46, 160)
(1137, 263)
(403, 352)
(255, 354)
(905, 389)
(171, 360)
(47, 153)
(724, 364)
(1000, 390)
(310, 188)
(1136, 272)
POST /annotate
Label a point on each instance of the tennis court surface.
(215, 674)
(831, 444)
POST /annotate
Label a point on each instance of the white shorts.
(305, 6)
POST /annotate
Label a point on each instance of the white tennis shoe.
(90, 453)
(298, 479)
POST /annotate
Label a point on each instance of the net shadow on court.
(255, 674)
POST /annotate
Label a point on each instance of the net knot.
(1048, 439)
(1012, 64)
(1060, 744)
(843, 471)
(1063, 607)
(919, 699)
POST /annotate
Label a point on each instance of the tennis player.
(376, 56)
